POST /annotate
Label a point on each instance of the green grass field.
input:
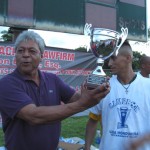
(1, 137)
(71, 127)
(74, 127)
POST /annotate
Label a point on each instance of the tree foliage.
(136, 60)
(81, 49)
(6, 36)
(149, 32)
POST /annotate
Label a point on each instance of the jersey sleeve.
(96, 110)
(94, 116)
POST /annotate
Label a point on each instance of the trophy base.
(95, 80)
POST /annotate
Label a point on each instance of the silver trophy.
(103, 43)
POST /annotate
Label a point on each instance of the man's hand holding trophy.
(103, 43)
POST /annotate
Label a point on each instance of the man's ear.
(143, 66)
(129, 58)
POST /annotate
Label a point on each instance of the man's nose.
(26, 53)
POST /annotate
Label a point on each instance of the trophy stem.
(99, 70)
(100, 61)
(98, 76)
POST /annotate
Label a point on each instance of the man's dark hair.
(144, 59)
(126, 43)
(126, 48)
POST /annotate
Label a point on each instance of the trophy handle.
(87, 29)
(87, 32)
(123, 37)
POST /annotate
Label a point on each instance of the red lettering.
(45, 54)
(3, 71)
(2, 50)
(52, 55)
(59, 55)
(4, 61)
(64, 56)
(47, 63)
(8, 50)
(71, 57)
(14, 61)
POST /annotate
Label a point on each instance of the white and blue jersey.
(125, 116)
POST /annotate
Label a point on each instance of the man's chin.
(26, 71)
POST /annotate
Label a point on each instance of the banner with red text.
(72, 66)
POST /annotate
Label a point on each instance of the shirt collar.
(18, 74)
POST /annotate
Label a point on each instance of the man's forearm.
(90, 133)
(48, 114)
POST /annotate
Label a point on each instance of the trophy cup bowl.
(103, 43)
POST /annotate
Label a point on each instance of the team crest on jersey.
(123, 113)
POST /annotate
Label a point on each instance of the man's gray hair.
(30, 35)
